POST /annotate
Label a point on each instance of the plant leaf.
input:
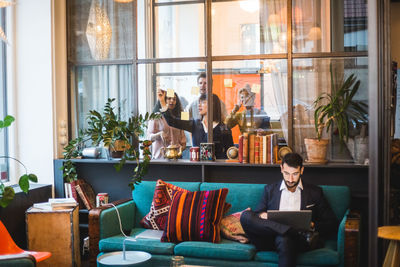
(8, 196)
(32, 177)
(24, 183)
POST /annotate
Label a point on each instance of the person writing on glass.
(159, 132)
(193, 107)
(291, 194)
(221, 134)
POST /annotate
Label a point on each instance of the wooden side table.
(56, 231)
(391, 233)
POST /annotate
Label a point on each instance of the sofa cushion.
(152, 246)
(195, 216)
(227, 249)
(160, 205)
(143, 196)
(319, 257)
(238, 194)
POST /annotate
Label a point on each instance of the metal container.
(101, 199)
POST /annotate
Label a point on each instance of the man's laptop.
(300, 219)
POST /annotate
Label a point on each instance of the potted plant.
(7, 193)
(121, 137)
(335, 109)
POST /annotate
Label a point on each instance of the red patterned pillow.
(195, 216)
(157, 216)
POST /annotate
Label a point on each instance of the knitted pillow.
(232, 229)
(195, 216)
(158, 213)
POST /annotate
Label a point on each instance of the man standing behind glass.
(193, 108)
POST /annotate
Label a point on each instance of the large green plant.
(106, 128)
(7, 193)
(338, 107)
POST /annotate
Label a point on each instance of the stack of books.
(56, 204)
(258, 149)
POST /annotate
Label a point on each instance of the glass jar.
(177, 261)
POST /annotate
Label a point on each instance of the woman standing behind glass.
(222, 136)
(159, 131)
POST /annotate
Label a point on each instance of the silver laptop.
(300, 219)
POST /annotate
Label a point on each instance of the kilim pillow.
(195, 216)
(232, 229)
(157, 216)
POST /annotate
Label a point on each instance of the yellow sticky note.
(195, 90)
(227, 82)
(185, 115)
(256, 88)
(170, 93)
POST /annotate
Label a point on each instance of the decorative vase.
(316, 150)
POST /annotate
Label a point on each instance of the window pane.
(311, 77)
(181, 78)
(100, 30)
(329, 26)
(178, 31)
(246, 28)
(95, 84)
(254, 86)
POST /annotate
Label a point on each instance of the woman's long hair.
(177, 109)
(216, 107)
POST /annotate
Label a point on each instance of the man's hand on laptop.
(263, 215)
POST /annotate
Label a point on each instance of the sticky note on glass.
(195, 90)
(227, 82)
(170, 93)
(256, 88)
(185, 115)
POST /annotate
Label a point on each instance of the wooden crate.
(57, 232)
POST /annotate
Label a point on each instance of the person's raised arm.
(178, 123)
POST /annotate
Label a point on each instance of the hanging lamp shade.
(4, 3)
(98, 31)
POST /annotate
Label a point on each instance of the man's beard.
(289, 186)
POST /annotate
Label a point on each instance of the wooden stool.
(392, 233)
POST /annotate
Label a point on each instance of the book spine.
(241, 148)
(83, 197)
(257, 150)
(260, 138)
(245, 148)
(268, 149)
(275, 148)
(251, 148)
(264, 148)
(66, 190)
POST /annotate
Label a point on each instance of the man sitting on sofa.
(290, 194)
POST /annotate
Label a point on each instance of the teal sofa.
(226, 253)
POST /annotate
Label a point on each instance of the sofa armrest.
(348, 239)
(103, 222)
(352, 239)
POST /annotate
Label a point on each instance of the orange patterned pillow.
(232, 229)
(159, 209)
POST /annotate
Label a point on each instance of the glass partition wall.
(280, 54)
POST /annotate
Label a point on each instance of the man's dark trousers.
(269, 235)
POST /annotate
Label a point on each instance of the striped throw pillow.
(159, 209)
(195, 216)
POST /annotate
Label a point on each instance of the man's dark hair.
(293, 160)
(201, 75)
(216, 106)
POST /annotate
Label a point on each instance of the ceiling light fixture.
(4, 3)
(98, 31)
(250, 5)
